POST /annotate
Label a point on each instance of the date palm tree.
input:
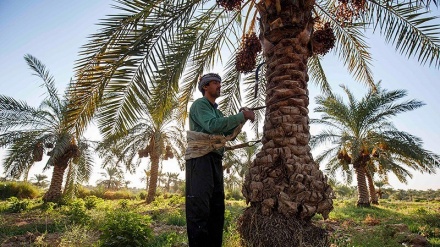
(29, 132)
(158, 137)
(170, 178)
(363, 136)
(112, 179)
(380, 184)
(40, 180)
(155, 51)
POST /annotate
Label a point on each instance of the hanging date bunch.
(168, 153)
(144, 152)
(348, 10)
(323, 39)
(230, 4)
(37, 153)
(344, 157)
(246, 57)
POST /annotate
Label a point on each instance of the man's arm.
(204, 115)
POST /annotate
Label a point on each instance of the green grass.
(81, 222)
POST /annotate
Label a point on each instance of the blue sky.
(54, 30)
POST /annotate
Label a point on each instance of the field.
(93, 221)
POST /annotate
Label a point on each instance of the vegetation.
(96, 222)
(138, 74)
(29, 132)
(361, 135)
(149, 55)
(155, 135)
(19, 190)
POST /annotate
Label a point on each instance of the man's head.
(206, 79)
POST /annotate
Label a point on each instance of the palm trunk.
(26, 173)
(68, 177)
(284, 185)
(373, 195)
(54, 193)
(362, 186)
(153, 177)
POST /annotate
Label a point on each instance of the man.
(205, 206)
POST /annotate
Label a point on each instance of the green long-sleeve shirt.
(205, 117)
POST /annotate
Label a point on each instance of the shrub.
(17, 205)
(91, 202)
(76, 212)
(175, 199)
(120, 194)
(234, 195)
(176, 219)
(48, 206)
(143, 195)
(126, 229)
(123, 204)
(83, 192)
(169, 239)
(20, 190)
(229, 219)
(99, 191)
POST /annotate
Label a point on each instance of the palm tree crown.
(30, 132)
(361, 134)
(158, 137)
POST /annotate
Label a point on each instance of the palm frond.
(18, 114)
(115, 55)
(325, 136)
(412, 29)
(349, 45)
(317, 74)
(48, 80)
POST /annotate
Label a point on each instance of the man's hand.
(248, 115)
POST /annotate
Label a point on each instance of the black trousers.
(205, 201)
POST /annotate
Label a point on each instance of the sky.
(54, 30)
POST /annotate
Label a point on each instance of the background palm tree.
(112, 179)
(29, 132)
(149, 52)
(363, 136)
(146, 177)
(380, 184)
(171, 178)
(156, 135)
(40, 180)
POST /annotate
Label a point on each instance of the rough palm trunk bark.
(373, 194)
(284, 185)
(26, 173)
(153, 177)
(54, 193)
(362, 186)
(66, 184)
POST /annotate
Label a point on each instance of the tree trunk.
(53, 194)
(26, 173)
(373, 195)
(362, 186)
(66, 184)
(284, 185)
(153, 177)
